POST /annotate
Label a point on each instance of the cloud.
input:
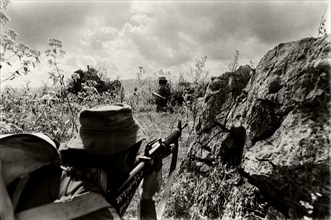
(36, 22)
(64, 20)
(157, 37)
(217, 29)
(222, 25)
(153, 48)
(95, 38)
(168, 34)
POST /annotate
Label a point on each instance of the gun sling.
(167, 188)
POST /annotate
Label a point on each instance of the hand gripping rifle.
(155, 151)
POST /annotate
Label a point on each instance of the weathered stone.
(273, 127)
(220, 96)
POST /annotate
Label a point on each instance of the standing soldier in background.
(163, 94)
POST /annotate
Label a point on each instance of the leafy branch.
(16, 55)
(54, 53)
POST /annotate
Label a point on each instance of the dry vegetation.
(43, 110)
(54, 111)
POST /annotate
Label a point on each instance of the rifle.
(155, 151)
(158, 95)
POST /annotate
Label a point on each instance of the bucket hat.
(107, 130)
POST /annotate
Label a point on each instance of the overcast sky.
(168, 35)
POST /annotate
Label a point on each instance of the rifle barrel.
(132, 174)
(155, 150)
(175, 135)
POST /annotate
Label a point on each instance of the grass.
(24, 111)
(160, 125)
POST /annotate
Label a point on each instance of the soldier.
(163, 93)
(95, 162)
(100, 157)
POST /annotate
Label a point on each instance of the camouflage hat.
(162, 78)
(107, 130)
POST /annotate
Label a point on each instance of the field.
(54, 110)
(36, 110)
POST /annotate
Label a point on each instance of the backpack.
(30, 162)
(31, 173)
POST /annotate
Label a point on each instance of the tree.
(15, 56)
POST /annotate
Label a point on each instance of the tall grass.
(25, 110)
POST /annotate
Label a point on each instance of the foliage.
(141, 98)
(103, 72)
(54, 53)
(235, 62)
(140, 74)
(322, 27)
(199, 81)
(90, 82)
(25, 111)
(53, 111)
(199, 74)
(16, 58)
(3, 16)
(11, 50)
(206, 194)
(162, 72)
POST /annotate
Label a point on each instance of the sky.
(169, 35)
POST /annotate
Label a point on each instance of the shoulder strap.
(167, 188)
(77, 207)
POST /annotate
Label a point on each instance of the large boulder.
(264, 137)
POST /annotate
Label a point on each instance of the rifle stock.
(155, 151)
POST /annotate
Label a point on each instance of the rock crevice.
(269, 130)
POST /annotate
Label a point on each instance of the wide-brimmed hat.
(107, 130)
(162, 78)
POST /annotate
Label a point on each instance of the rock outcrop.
(263, 140)
(90, 78)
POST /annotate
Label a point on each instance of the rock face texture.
(263, 140)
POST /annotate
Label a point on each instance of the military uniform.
(34, 188)
(71, 188)
(164, 92)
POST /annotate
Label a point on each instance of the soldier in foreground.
(101, 156)
(95, 162)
